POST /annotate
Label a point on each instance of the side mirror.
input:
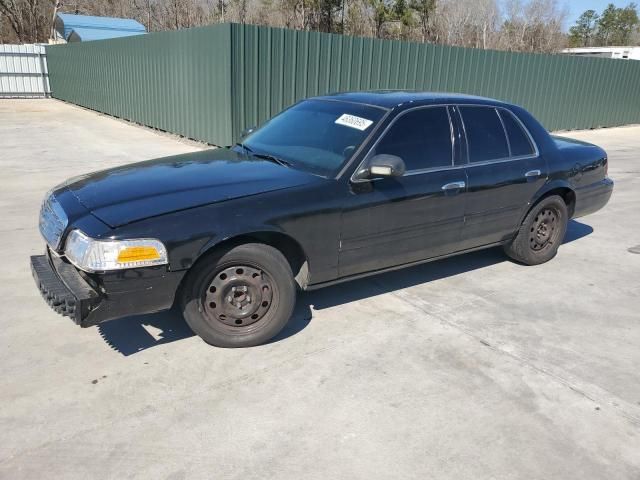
(383, 166)
(247, 131)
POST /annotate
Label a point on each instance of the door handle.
(532, 173)
(454, 186)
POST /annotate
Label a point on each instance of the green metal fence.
(174, 81)
(210, 83)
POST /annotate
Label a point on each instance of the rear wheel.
(541, 233)
(239, 297)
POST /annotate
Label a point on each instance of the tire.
(239, 297)
(541, 232)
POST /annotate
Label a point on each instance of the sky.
(576, 7)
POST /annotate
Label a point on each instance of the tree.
(627, 23)
(328, 10)
(533, 26)
(425, 10)
(483, 27)
(382, 13)
(29, 20)
(399, 9)
(403, 18)
(607, 25)
(516, 25)
(617, 25)
(583, 32)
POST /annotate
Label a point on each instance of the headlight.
(98, 255)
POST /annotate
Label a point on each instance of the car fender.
(546, 188)
(228, 236)
(286, 243)
(551, 185)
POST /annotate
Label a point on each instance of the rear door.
(504, 172)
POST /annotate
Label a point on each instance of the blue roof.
(88, 34)
(97, 28)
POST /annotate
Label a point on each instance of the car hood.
(141, 190)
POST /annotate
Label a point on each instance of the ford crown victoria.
(333, 188)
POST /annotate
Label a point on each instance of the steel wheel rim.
(239, 296)
(544, 230)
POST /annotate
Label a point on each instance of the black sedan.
(333, 188)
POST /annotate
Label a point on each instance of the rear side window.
(422, 138)
(485, 134)
(518, 139)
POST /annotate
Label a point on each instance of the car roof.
(398, 98)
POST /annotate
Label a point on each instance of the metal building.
(622, 53)
(83, 28)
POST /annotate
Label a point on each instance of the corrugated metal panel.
(210, 83)
(174, 81)
(562, 92)
(23, 71)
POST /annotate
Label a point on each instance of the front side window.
(318, 136)
(485, 134)
(421, 137)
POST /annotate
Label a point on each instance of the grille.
(53, 221)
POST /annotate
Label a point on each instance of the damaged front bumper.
(89, 299)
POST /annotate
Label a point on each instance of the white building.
(624, 53)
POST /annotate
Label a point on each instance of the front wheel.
(240, 297)
(541, 233)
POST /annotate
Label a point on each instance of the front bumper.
(64, 289)
(89, 299)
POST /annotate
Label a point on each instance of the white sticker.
(353, 121)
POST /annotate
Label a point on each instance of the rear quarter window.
(518, 138)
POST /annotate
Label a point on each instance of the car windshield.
(317, 136)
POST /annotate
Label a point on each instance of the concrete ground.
(467, 368)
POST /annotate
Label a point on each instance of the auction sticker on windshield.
(353, 121)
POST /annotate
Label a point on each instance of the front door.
(393, 221)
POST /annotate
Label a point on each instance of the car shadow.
(576, 230)
(134, 334)
(131, 335)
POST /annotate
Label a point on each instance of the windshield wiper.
(264, 156)
(244, 147)
(272, 158)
